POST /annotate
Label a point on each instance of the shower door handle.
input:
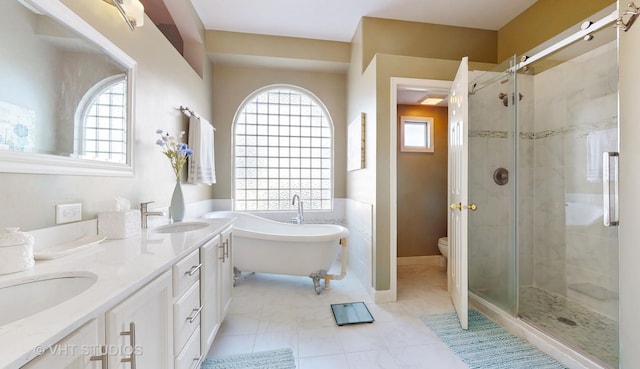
(610, 188)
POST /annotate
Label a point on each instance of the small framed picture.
(356, 143)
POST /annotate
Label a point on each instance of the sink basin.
(22, 298)
(181, 227)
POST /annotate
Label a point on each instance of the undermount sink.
(25, 297)
(180, 227)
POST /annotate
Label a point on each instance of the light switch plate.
(66, 213)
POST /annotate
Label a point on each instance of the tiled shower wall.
(490, 148)
(575, 120)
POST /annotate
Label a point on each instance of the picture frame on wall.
(356, 143)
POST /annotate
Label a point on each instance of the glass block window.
(283, 145)
(103, 128)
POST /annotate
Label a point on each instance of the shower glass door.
(567, 257)
(492, 178)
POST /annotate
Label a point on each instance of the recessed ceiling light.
(431, 101)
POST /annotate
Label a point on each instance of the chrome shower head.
(504, 97)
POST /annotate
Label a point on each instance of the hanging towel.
(202, 163)
(599, 142)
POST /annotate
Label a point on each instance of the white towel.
(202, 163)
(599, 142)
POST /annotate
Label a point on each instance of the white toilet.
(443, 246)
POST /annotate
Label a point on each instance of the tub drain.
(567, 321)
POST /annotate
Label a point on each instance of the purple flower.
(175, 151)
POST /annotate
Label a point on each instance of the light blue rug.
(275, 359)
(486, 345)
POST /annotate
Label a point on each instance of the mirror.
(66, 94)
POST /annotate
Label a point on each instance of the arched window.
(283, 145)
(101, 124)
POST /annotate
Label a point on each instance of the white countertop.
(122, 266)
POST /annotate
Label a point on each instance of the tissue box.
(119, 224)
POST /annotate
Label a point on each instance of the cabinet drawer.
(185, 273)
(186, 316)
(190, 356)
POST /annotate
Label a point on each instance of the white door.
(458, 192)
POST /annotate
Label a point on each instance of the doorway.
(421, 242)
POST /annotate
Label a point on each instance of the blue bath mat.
(275, 359)
(486, 345)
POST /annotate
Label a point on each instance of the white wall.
(164, 82)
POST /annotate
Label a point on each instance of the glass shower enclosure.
(543, 143)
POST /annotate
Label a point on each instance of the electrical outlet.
(66, 213)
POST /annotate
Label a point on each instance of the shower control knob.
(501, 176)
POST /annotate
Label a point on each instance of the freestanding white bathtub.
(262, 245)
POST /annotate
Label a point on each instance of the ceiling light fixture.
(131, 10)
(431, 100)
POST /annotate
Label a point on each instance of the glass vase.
(176, 210)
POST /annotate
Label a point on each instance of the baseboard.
(382, 296)
(437, 260)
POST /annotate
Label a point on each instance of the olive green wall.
(376, 56)
(319, 54)
(425, 40)
(422, 187)
(543, 20)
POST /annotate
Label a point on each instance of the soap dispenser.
(16, 251)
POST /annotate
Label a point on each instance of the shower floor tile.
(571, 322)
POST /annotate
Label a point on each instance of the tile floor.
(272, 311)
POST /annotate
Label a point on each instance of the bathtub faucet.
(300, 217)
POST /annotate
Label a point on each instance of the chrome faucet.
(300, 217)
(144, 213)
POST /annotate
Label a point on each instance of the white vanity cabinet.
(187, 311)
(168, 323)
(80, 349)
(137, 334)
(216, 285)
(225, 270)
(210, 317)
(140, 330)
